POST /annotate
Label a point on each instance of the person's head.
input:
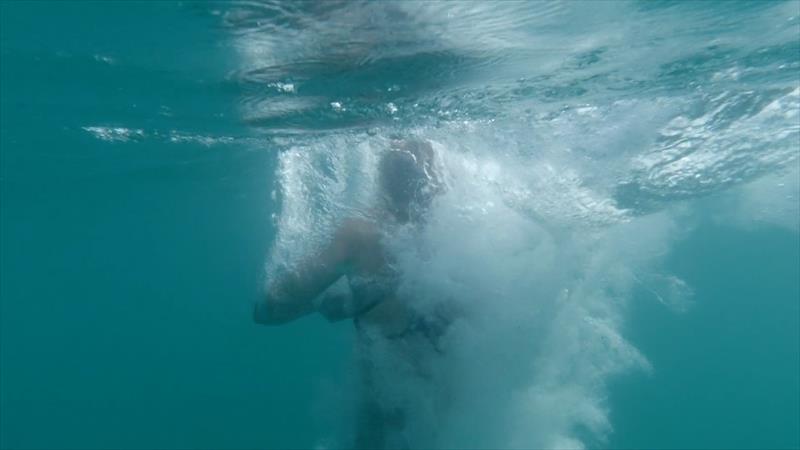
(408, 179)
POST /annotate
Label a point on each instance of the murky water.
(619, 219)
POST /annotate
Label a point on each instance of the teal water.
(623, 185)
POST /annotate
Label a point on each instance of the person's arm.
(336, 303)
(291, 296)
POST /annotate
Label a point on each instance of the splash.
(575, 148)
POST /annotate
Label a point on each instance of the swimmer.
(408, 183)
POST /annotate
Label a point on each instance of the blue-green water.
(621, 217)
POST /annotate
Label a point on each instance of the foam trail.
(540, 332)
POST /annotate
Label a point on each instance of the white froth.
(556, 208)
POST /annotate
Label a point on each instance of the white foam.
(534, 237)
(115, 134)
(543, 309)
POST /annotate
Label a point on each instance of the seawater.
(621, 219)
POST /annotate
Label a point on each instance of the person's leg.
(370, 433)
(378, 425)
(378, 429)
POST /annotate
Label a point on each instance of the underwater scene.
(399, 224)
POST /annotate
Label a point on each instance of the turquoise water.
(621, 218)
